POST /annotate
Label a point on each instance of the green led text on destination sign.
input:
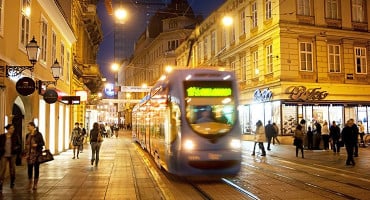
(208, 92)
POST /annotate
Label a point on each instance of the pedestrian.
(83, 135)
(275, 137)
(317, 132)
(95, 143)
(356, 131)
(325, 135)
(10, 146)
(309, 138)
(349, 137)
(259, 137)
(270, 132)
(76, 140)
(298, 140)
(361, 131)
(34, 145)
(335, 137)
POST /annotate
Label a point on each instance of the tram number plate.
(214, 156)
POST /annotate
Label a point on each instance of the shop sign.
(350, 76)
(25, 86)
(50, 96)
(262, 96)
(304, 94)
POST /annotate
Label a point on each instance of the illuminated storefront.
(302, 102)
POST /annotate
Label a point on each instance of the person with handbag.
(10, 146)
(298, 140)
(76, 140)
(95, 142)
(34, 145)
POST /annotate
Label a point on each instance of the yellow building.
(64, 32)
(43, 20)
(295, 59)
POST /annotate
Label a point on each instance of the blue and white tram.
(189, 123)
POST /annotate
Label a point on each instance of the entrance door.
(17, 122)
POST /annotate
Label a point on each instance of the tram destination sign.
(208, 92)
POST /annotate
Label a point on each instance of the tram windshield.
(210, 106)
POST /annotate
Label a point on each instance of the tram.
(189, 123)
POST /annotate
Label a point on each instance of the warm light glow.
(100, 94)
(115, 67)
(27, 11)
(120, 14)
(227, 21)
(82, 94)
(128, 95)
(144, 85)
(168, 69)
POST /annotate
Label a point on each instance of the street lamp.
(55, 71)
(33, 52)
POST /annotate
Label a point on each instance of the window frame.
(242, 23)
(255, 63)
(358, 9)
(43, 40)
(268, 9)
(362, 59)
(332, 9)
(335, 57)
(254, 12)
(269, 58)
(304, 7)
(306, 53)
(25, 24)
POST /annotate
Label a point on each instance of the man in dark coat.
(335, 137)
(270, 132)
(349, 137)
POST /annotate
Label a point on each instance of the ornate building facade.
(295, 59)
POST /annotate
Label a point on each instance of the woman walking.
(259, 138)
(34, 145)
(10, 146)
(298, 140)
(95, 143)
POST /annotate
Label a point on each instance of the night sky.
(136, 24)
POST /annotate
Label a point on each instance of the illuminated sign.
(208, 92)
(304, 94)
(262, 96)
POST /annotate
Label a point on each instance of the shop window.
(336, 114)
(244, 118)
(289, 113)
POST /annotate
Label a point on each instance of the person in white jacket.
(260, 138)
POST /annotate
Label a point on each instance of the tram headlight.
(235, 144)
(189, 145)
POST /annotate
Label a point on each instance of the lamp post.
(33, 52)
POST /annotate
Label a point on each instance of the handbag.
(45, 156)
(100, 138)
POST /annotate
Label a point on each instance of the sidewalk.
(120, 175)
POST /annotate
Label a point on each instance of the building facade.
(21, 20)
(54, 25)
(295, 59)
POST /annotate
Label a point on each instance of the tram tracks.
(302, 176)
(222, 188)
